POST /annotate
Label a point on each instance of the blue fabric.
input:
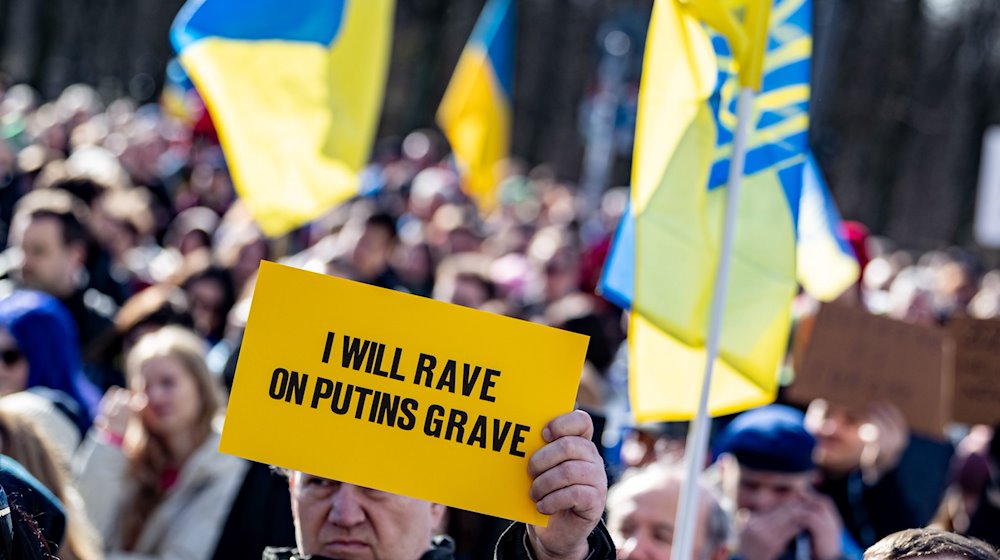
(848, 548)
(617, 283)
(771, 438)
(791, 23)
(46, 335)
(497, 33)
(308, 21)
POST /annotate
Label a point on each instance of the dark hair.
(61, 206)
(384, 221)
(28, 542)
(84, 188)
(921, 543)
(223, 277)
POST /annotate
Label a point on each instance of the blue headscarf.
(47, 336)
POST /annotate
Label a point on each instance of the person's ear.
(78, 252)
(438, 516)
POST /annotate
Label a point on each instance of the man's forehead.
(37, 223)
(297, 476)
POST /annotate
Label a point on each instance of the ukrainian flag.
(177, 92)
(477, 108)
(666, 254)
(295, 90)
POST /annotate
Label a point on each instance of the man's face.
(641, 520)
(371, 254)
(838, 437)
(50, 265)
(350, 522)
(762, 491)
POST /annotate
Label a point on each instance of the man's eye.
(319, 482)
(627, 530)
(375, 494)
(664, 535)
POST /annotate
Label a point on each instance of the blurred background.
(903, 90)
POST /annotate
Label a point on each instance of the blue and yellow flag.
(477, 108)
(665, 258)
(295, 90)
(178, 90)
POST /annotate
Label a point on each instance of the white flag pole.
(697, 441)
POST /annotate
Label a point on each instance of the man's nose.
(346, 508)
(636, 547)
(761, 501)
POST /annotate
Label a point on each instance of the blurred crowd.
(125, 285)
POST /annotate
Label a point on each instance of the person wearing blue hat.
(766, 462)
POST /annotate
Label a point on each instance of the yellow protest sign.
(397, 392)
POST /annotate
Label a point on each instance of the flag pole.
(697, 440)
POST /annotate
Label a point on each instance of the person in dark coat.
(32, 520)
(882, 478)
(339, 520)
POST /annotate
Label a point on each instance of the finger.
(122, 399)
(567, 474)
(137, 402)
(787, 514)
(782, 523)
(887, 415)
(561, 450)
(110, 397)
(576, 423)
(818, 503)
(585, 501)
(878, 415)
(869, 432)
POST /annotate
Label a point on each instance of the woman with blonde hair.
(21, 440)
(152, 479)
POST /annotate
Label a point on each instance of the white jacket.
(187, 523)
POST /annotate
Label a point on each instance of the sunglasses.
(10, 356)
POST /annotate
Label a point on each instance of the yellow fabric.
(747, 38)
(296, 120)
(678, 228)
(476, 117)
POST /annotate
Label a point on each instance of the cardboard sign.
(854, 358)
(397, 392)
(977, 371)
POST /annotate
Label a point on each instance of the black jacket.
(905, 497)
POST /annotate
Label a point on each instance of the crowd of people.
(125, 284)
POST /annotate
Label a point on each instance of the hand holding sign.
(569, 484)
(446, 403)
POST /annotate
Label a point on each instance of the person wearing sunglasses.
(40, 367)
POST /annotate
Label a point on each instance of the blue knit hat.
(771, 438)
